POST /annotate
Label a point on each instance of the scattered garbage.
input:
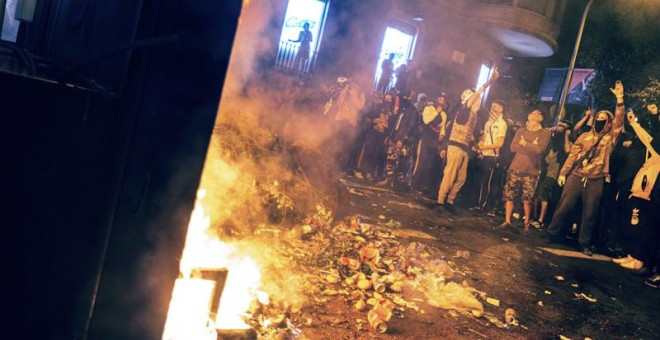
(559, 278)
(462, 254)
(583, 296)
(510, 317)
(494, 302)
(368, 267)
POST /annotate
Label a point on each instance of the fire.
(192, 299)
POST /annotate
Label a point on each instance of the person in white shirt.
(489, 147)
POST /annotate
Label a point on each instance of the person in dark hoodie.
(643, 209)
(584, 171)
(427, 159)
(402, 135)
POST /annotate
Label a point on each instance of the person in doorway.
(459, 142)
(403, 74)
(386, 72)
(305, 40)
(584, 172)
(529, 144)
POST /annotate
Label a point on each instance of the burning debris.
(322, 273)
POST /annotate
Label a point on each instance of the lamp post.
(571, 67)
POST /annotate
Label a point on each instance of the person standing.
(386, 72)
(428, 159)
(528, 144)
(305, 40)
(548, 191)
(460, 140)
(584, 172)
(489, 146)
(402, 78)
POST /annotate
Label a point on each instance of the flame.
(202, 250)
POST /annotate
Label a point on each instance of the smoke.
(638, 19)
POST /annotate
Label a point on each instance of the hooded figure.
(584, 172)
(590, 155)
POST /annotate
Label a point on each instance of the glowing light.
(189, 309)
(188, 316)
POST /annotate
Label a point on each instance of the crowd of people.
(594, 181)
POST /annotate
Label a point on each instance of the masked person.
(549, 190)
(643, 210)
(427, 159)
(489, 146)
(402, 136)
(528, 144)
(459, 142)
(372, 150)
(584, 172)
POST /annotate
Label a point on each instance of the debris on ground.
(372, 271)
(583, 296)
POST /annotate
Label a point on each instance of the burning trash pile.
(368, 276)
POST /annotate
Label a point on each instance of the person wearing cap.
(549, 190)
(584, 171)
(427, 159)
(459, 142)
(529, 145)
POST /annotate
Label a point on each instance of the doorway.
(400, 41)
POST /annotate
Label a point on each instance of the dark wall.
(72, 33)
(102, 184)
(62, 182)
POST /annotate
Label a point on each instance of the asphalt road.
(555, 290)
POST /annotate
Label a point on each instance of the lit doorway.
(299, 13)
(484, 74)
(399, 39)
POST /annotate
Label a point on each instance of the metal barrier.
(288, 60)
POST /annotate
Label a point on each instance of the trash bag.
(453, 296)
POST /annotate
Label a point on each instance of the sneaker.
(653, 281)
(634, 264)
(538, 225)
(504, 225)
(623, 260)
(491, 213)
(450, 208)
(587, 251)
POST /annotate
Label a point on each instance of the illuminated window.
(484, 74)
(10, 24)
(298, 50)
(399, 39)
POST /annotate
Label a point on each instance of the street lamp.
(571, 67)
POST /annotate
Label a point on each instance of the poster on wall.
(580, 92)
